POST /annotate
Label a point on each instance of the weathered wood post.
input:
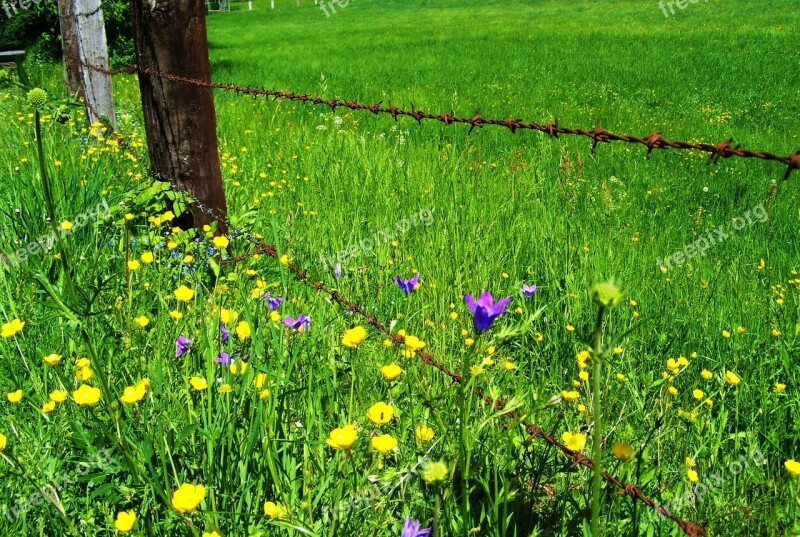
(180, 121)
(69, 45)
(91, 36)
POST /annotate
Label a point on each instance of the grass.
(505, 210)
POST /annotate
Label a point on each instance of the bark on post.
(69, 45)
(180, 121)
(91, 37)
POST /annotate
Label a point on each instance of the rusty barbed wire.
(534, 431)
(654, 140)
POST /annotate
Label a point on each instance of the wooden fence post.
(69, 46)
(180, 121)
(91, 36)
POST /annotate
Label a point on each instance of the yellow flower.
(284, 259)
(732, 378)
(792, 466)
(690, 462)
(413, 343)
(706, 374)
(133, 265)
(538, 337)
(383, 444)
(274, 511)
(342, 438)
(66, 225)
(741, 330)
(14, 397)
(618, 350)
(673, 390)
(167, 216)
(147, 258)
(574, 442)
(175, 314)
(243, 330)
(274, 316)
(84, 373)
(188, 497)
(469, 341)
(12, 328)
(225, 388)
(188, 259)
(258, 382)
(86, 395)
(48, 407)
(3, 442)
(212, 534)
(682, 361)
(198, 383)
(581, 408)
(133, 394)
(238, 369)
(423, 433)
(221, 242)
(779, 387)
(570, 328)
(125, 521)
(487, 361)
(583, 375)
(391, 371)
(623, 452)
(726, 334)
(59, 396)
(621, 376)
(698, 394)
(183, 293)
(434, 472)
(380, 413)
(453, 315)
(709, 402)
(476, 370)
(142, 321)
(776, 332)
(570, 396)
(510, 366)
(692, 475)
(354, 337)
(225, 315)
(52, 359)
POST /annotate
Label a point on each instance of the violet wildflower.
(411, 529)
(272, 301)
(528, 290)
(486, 310)
(224, 333)
(300, 324)
(337, 273)
(409, 284)
(182, 345)
(223, 359)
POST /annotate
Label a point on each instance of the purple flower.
(273, 301)
(411, 529)
(300, 324)
(407, 285)
(337, 273)
(528, 290)
(182, 345)
(223, 359)
(485, 310)
(223, 333)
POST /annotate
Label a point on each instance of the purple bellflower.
(182, 345)
(411, 529)
(409, 284)
(300, 324)
(486, 310)
(528, 290)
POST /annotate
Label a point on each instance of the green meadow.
(103, 410)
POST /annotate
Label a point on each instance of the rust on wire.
(534, 431)
(653, 141)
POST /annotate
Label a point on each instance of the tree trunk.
(69, 45)
(180, 121)
(91, 36)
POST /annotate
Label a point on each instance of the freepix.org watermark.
(45, 243)
(681, 4)
(713, 484)
(49, 493)
(382, 236)
(712, 238)
(9, 6)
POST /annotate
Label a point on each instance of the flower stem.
(597, 436)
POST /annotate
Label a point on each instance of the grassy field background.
(506, 210)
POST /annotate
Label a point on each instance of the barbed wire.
(652, 141)
(534, 431)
